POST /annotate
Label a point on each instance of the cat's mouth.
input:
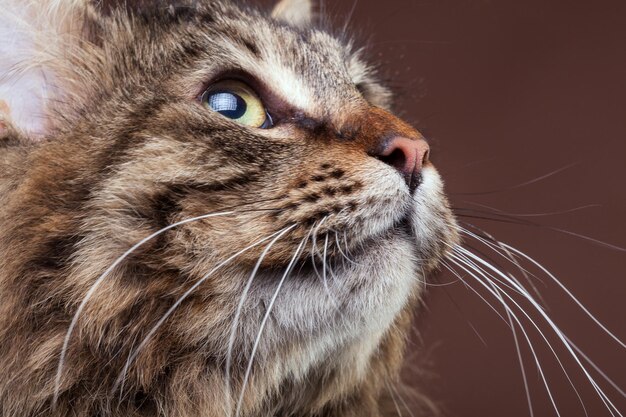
(332, 250)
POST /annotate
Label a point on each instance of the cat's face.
(293, 176)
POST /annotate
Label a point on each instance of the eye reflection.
(237, 101)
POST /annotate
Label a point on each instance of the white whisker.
(233, 330)
(498, 247)
(495, 293)
(559, 333)
(341, 251)
(469, 287)
(182, 298)
(493, 282)
(325, 268)
(568, 292)
(597, 369)
(585, 357)
(313, 235)
(264, 323)
(98, 282)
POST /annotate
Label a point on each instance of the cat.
(205, 210)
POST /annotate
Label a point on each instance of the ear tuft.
(294, 12)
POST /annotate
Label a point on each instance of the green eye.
(237, 101)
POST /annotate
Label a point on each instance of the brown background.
(508, 91)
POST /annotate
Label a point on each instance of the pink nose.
(407, 156)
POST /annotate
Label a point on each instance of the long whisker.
(512, 315)
(486, 276)
(523, 184)
(313, 234)
(342, 252)
(491, 306)
(585, 357)
(233, 330)
(402, 400)
(610, 406)
(101, 278)
(325, 267)
(496, 246)
(597, 369)
(182, 298)
(503, 218)
(264, 323)
(517, 349)
(549, 213)
(568, 292)
(349, 18)
(520, 359)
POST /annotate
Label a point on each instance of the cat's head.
(274, 205)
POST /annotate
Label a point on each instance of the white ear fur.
(33, 37)
(295, 12)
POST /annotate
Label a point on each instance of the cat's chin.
(345, 299)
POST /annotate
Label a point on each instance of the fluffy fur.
(124, 149)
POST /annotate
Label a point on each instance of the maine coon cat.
(291, 218)
(208, 210)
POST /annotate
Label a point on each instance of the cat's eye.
(237, 101)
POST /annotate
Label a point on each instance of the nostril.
(396, 159)
(407, 156)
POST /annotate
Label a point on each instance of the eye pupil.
(237, 101)
(228, 104)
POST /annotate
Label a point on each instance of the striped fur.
(125, 150)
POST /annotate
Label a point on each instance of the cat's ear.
(295, 12)
(34, 45)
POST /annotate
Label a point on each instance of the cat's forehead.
(306, 67)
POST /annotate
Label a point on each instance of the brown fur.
(133, 152)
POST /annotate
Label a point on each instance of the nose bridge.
(390, 140)
(378, 126)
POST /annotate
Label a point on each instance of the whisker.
(503, 218)
(514, 316)
(325, 267)
(233, 330)
(597, 369)
(342, 252)
(264, 323)
(580, 305)
(323, 278)
(313, 235)
(492, 243)
(520, 359)
(98, 282)
(182, 298)
(568, 292)
(549, 213)
(349, 18)
(393, 398)
(500, 292)
(518, 350)
(559, 333)
(458, 308)
(472, 289)
(523, 184)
